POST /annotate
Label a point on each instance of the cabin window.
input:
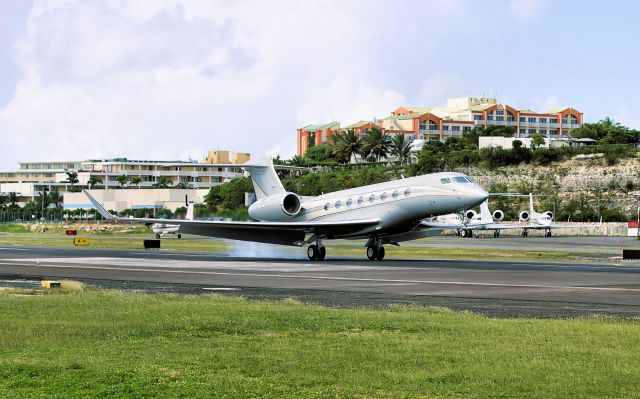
(372, 198)
(383, 197)
(407, 192)
(349, 202)
(327, 206)
(396, 194)
(360, 201)
(338, 204)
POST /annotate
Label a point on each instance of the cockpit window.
(461, 179)
(471, 179)
(445, 180)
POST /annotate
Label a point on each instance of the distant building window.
(553, 120)
(532, 131)
(477, 117)
(455, 128)
(542, 120)
(523, 119)
(532, 120)
(445, 128)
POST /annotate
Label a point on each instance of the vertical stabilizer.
(265, 180)
(190, 208)
(485, 214)
(531, 211)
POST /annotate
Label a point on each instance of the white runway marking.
(329, 278)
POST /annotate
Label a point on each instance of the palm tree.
(347, 145)
(296, 161)
(136, 180)
(376, 144)
(55, 197)
(401, 148)
(13, 198)
(122, 179)
(72, 178)
(3, 200)
(162, 183)
(94, 181)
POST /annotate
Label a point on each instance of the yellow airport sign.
(81, 241)
(50, 284)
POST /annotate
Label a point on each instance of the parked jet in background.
(468, 222)
(163, 228)
(543, 221)
(384, 213)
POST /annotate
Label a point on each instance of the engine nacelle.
(470, 214)
(275, 208)
(523, 216)
(550, 214)
(497, 215)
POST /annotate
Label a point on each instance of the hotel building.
(460, 115)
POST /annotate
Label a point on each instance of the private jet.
(543, 221)
(383, 213)
(467, 222)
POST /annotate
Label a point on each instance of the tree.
(72, 178)
(296, 161)
(401, 148)
(376, 144)
(13, 199)
(55, 198)
(136, 180)
(517, 144)
(347, 145)
(3, 201)
(537, 140)
(183, 185)
(94, 181)
(122, 180)
(162, 183)
(322, 153)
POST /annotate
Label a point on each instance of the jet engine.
(497, 215)
(550, 214)
(470, 214)
(523, 216)
(277, 207)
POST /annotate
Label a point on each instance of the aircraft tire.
(312, 252)
(157, 236)
(463, 233)
(179, 236)
(381, 253)
(372, 252)
(322, 252)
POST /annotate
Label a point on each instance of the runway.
(562, 284)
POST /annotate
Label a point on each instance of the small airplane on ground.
(164, 228)
(384, 213)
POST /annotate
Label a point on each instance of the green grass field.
(112, 344)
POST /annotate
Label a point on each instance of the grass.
(112, 344)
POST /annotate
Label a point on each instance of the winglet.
(105, 214)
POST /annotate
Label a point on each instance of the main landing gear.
(525, 233)
(496, 234)
(375, 252)
(316, 252)
(547, 233)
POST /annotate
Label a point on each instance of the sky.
(171, 79)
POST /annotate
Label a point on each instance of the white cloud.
(161, 79)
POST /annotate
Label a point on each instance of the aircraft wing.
(283, 233)
(557, 226)
(425, 223)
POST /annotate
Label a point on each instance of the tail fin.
(265, 180)
(189, 215)
(485, 214)
(531, 211)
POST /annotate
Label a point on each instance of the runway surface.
(596, 286)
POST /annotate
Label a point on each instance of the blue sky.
(171, 79)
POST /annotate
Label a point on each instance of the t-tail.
(531, 211)
(485, 214)
(265, 179)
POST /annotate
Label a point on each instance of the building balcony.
(570, 125)
(423, 133)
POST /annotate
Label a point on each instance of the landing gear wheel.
(496, 234)
(547, 233)
(312, 252)
(322, 252)
(525, 233)
(157, 236)
(372, 252)
(179, 236)
(463, 233)
(381, 252)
